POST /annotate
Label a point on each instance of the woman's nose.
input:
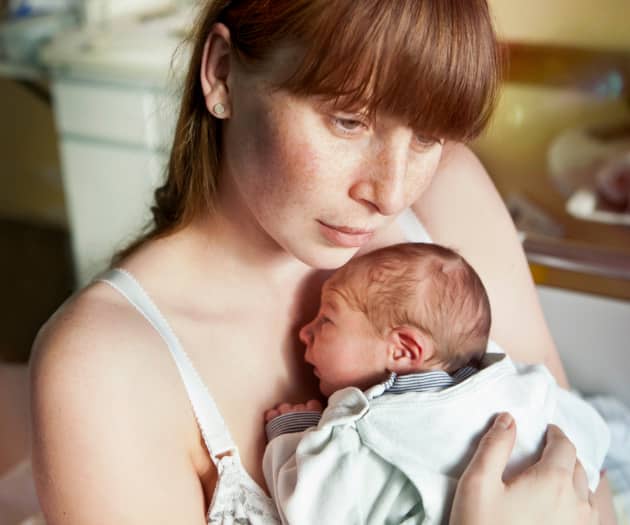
(383, 185)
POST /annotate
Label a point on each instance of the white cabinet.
(128, 115)
(115, 107)
(109, 192)
(113, 141)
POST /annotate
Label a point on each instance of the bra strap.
(413, 229)
(211, 424)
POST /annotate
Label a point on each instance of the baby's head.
(405, 308)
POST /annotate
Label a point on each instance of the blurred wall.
(30, 181)
(601, 24)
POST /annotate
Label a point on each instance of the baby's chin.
(326, 389)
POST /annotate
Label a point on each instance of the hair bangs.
(433, 65)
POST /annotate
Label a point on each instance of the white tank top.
(237, 498)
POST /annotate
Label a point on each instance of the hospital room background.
(88, 94)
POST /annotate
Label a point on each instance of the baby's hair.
(427, 286)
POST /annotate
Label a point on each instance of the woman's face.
(318, 180)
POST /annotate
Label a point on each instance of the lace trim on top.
(238, 499)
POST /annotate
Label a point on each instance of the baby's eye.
(325, 320)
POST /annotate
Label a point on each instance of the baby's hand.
(312, 405)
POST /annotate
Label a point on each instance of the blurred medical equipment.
(590, 166)
(30, 23)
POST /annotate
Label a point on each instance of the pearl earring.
(219, 109)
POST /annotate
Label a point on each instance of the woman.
(306, 129)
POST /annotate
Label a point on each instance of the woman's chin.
(323, 257)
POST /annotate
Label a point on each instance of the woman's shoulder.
(97, 352)
(460, 169)
(462, 200)
(97, 341)
(93, 321)
(104, 387)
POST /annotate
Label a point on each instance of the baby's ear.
(409, 348)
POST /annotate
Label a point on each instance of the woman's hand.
(552, 491)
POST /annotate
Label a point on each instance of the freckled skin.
(291, 167)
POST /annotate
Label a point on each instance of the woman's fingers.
(553, 491)
(595, 517)
(494, 449)
(480, 495)
(580, 482)
(559, 452)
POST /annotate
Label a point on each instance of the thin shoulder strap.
(412, 228)
(212, 425)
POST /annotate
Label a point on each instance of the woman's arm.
(462, 210)
(105, 450)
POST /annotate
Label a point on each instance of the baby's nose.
(306, 334)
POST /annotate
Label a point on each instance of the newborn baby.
(399, 344)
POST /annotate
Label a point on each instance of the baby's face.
(343, 347)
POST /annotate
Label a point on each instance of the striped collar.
(431, 381)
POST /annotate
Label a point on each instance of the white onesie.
(376, 459)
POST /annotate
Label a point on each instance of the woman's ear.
(409, 349)
(215, 69)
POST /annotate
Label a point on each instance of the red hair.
(433, 64)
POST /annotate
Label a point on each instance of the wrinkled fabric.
(374, 458)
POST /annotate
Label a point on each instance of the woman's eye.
(347, 125)
(325, 320)
(425, 142)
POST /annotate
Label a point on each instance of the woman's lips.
(344, 236)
